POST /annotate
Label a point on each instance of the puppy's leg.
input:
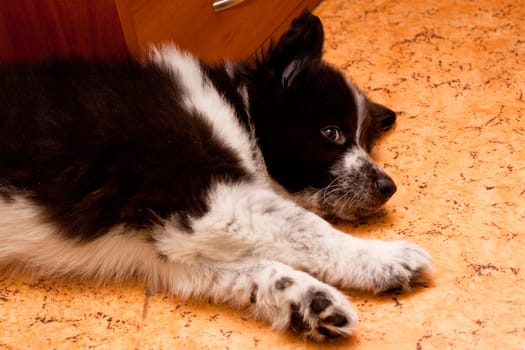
(287, 298)
(246, 220)
(275, 292)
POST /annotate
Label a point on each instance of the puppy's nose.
(386, 187)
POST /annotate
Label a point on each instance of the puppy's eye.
(333, 134)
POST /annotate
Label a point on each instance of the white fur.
(200, 95)
(250, 221)
(28, 239)
(361, 106)
(249, 239)
(352, 159)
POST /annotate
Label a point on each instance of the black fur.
(288, 127)
(104, 144)
(293, 94)
(228, 87)
(100, 144)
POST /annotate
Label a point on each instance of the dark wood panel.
(33, 29)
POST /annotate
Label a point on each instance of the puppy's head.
(315, 127)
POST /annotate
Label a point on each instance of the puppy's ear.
(302, 42)
(382, 116)
(381, 120)
(305, 38)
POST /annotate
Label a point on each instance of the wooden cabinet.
(35, 29)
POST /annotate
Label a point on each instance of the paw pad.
(322, 316)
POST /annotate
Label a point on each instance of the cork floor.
(455, 73)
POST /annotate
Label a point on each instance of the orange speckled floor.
(455, 72)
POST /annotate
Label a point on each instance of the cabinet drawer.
(193, 25)
(33, 30)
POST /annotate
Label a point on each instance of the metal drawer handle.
(225, 4)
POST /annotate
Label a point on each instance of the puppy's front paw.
(297, 301)
(399, 265)
(322, 315)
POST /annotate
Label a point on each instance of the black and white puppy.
(203, 180)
